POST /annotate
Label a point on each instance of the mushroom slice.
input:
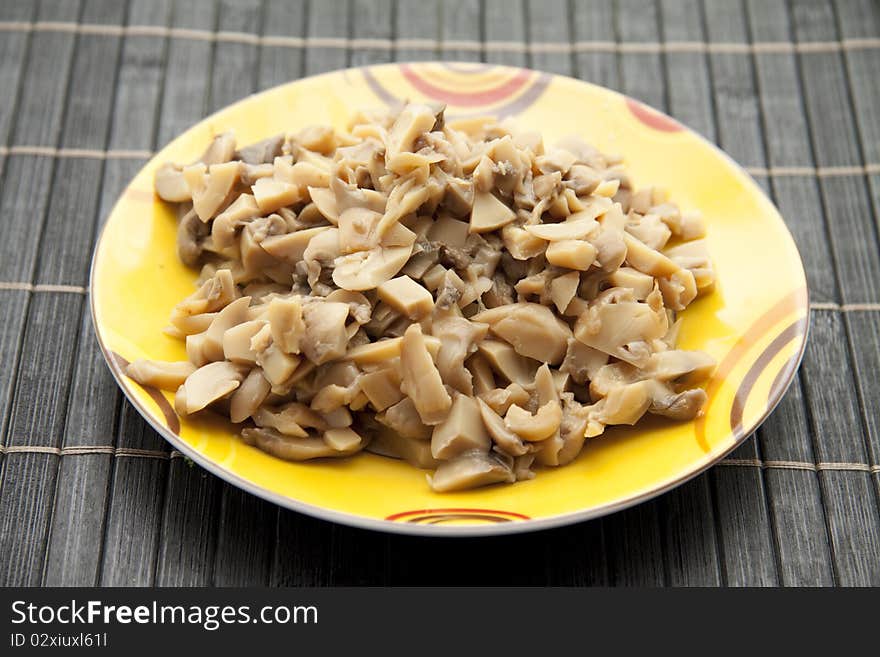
(694, 256)
(271, 194)
(414, 121)
(448, 232)
(532, 329)
(574, 228)
(366, 270)
(383, 351)
(160, 374)
(191, 234)
(287, 325)
(357, 229)
(505, 439)
(420, 379)
(641, 284)
(322, 250)
(501, 399)
(209, 186)
(563, 289)
(291, 247)
(210, 383)
(232, 315)
(277, 366)
(521, 244)
(571, 254)
(404, 418)
(613, 327)
(461, 431)
(242, 209)
(415, 452)
(489, 213)
(237, 342)
(646, 260)
(684, 405)
(295, 449)
(215, 293)
(609, 239)
(407, 297)
(325, 337)
(220, 150)
(249, 396)
(291, 419)
(682, 367)
(470, 471)
(582, 362)
(481, 374)
(382, 387)
(171, 185)
(543, 424)
(509, 364)
(262, 152)
(458, 339)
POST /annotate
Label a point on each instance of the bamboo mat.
(89, 494)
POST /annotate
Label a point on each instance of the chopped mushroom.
(449, 293)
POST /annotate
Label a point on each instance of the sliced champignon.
(261, 152)
(237, 342)
(271, 194)
(386, 350)
(366, 270)
(225, 224)
(325, 337)
(582, 362)
(220, 150)
(292, 419)
(209, 186)
(571, 254)
(573, 228)
(685, 405)
(504, 359)
(210, 383)
(407, 297)
(382, 387)
(534, 427)
(160, 374)
(470, 471)
(501, 399)
(232, 315)
(414, 121)
(505, 440)
(563, 289)
(297, 449)
(611, 249)
(277, 366)
(488, 213)
(215, 293)
(420, 379)
(415, 452)
(404, 418)
(614, 327)
(171, 185)
(679, 366)
(191, 235)
(641, 284)
(694, 256)
(461, 431)
(249, 396)
(291, 247)
(458, 340)
(530, 328)
(521, 244)
(288, 328)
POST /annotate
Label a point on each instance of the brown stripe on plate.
(171, 418)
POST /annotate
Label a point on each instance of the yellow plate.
(754, 324)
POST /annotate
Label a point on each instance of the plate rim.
(415, 529)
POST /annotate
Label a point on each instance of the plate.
(754, 323)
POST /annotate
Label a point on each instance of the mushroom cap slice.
(171, 185)
(470, 471)
(535, 427)
(532, 329)
(210, 383)
(462, 430)
(249, 396)
(366, 270)
(160, 374)
(420, 379)
(489, 213)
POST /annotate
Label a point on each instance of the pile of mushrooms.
(453, 294)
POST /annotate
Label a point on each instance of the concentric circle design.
(441, 516)
(754, 324)
(466, 90)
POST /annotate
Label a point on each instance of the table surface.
(89, 494)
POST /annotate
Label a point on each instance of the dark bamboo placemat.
(89, 494)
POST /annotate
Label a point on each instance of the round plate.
(754, 323)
